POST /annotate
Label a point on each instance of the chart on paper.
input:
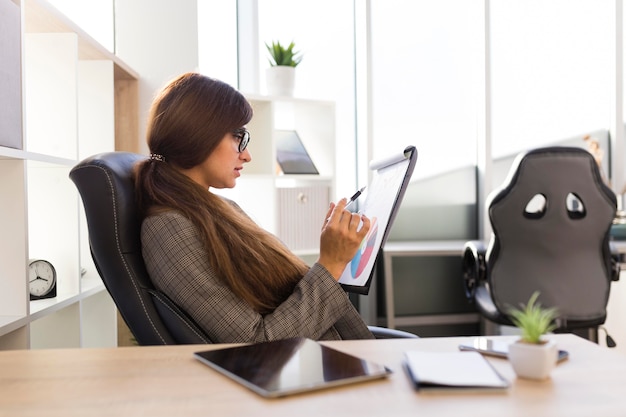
(381, 197)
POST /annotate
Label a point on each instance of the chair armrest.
(386, 333)
(473, 266)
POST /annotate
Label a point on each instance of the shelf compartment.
(14, 339)
(9, 324)
(13, 245)
(58, 329)
(98, 320)
(50, 84)
(53, 222)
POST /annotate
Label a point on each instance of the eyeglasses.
(244, 138)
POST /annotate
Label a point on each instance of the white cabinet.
(72, 93)
(291, 206)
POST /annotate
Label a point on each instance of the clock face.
(42, 278)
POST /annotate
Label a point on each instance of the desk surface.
(167, 381)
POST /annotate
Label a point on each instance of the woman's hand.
(342, 234)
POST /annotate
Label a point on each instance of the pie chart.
(363, 255)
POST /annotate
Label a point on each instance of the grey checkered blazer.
(178, 265)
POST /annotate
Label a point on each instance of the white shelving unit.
(73, 95)
(288, 205)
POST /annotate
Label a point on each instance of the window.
(423, 68)
(424, 58)
(552, 66)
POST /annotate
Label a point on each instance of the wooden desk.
(167, 381)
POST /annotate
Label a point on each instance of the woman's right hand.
(342, 234)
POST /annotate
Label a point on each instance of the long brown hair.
(188, 119)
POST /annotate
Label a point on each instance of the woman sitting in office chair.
(237, 281)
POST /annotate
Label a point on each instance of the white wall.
(159, 40)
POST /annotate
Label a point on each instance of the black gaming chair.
(551, 223)
(105, 184)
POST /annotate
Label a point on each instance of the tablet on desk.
(290, 366)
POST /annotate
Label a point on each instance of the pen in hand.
(354, 197)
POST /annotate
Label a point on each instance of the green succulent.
(283, 56)
(533, 320)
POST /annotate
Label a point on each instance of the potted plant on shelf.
(533, 356)
(281, 74)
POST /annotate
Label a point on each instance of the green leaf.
(279, 55)
(533, 320)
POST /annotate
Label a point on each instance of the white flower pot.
(533, 361)
(280, 80)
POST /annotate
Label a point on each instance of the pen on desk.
(355, 196)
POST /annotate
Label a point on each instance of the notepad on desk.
(453, 371)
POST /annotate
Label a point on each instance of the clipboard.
(382, 201)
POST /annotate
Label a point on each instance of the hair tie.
(157, 157)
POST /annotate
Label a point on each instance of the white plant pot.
(533, 361)
(280, 80)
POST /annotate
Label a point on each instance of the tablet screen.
(289, 366)
(291, 154)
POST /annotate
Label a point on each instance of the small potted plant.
(533, 356)
(281, 73)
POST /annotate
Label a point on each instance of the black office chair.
(105, 184)
(551, 222)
